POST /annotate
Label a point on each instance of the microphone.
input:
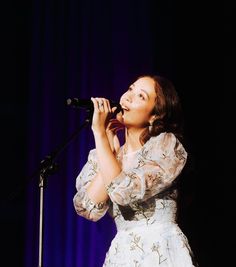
(88, 104)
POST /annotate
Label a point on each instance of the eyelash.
(140, 95)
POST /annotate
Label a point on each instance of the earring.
(150, 127)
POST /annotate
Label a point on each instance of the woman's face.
(138, 103)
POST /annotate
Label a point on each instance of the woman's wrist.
(100, 133)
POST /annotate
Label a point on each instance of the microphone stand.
(48, 166)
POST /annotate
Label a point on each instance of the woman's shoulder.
(92, 154)
(164, 137)
(166, 142)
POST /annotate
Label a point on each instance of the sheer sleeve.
(83, 205)
(158, 164)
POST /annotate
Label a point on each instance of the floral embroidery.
(116, 249)
(142, 200)
(155, 248)
(135, 242)
(136, 264)
(93, 167)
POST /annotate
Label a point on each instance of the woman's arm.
(83, 205)
(108, 164)
(158, 165)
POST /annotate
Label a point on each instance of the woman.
(136, 182)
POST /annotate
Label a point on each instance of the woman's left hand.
(113, 127)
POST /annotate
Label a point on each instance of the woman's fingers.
(95, 103)
(101, 104)
(115, 124)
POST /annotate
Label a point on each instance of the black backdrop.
(183, 42)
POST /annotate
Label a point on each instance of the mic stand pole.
(48, 166)
(41, 194)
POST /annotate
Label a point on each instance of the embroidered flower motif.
(143, 195)
(135, 242)
(156, 248)
(136, 264)
(180, 152)
(93, 167)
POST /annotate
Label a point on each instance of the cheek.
(143, 114)
(143, 118)
(144, 110)
(139, 118)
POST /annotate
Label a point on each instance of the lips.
(124, 107)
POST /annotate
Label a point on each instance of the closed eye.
(141, 96)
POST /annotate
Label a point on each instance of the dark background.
(201, 64)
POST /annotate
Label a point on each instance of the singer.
(137, 182)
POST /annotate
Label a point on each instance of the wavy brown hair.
(168, 110)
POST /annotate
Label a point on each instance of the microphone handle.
(88, 104)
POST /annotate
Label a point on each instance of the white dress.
(143, 205)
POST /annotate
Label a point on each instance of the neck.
(132, 142)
